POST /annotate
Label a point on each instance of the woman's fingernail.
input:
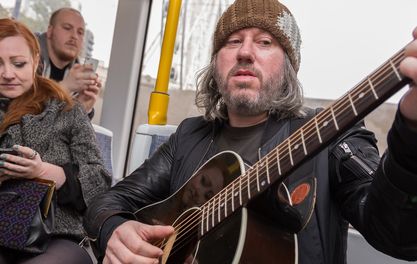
(3, 156)
(15, 147)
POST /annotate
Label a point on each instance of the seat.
(146, 140)
(359, 252)
(105, 141)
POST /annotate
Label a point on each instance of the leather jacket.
(352, 186)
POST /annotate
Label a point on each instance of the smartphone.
(91, 61)
(10, 151)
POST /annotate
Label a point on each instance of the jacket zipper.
(362, 164)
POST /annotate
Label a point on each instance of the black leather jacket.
(352, 185)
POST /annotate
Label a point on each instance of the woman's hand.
(29, 165)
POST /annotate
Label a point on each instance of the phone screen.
(91, 61)
(9, 151)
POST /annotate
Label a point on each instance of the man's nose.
(74, 34)
(246, 52)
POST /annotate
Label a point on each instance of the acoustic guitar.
(209, 213)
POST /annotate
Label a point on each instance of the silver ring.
(33, 155)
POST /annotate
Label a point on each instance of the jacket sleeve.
(372, 192)
(86, 166)
(147, 184)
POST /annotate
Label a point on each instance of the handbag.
(26, 214)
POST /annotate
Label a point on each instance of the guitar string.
(191, 220)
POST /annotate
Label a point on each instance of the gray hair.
(288, 102)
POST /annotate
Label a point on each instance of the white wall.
(345, 40)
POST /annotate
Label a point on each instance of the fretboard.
(307, 141)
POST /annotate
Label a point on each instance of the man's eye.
(233, 42)
(265, 42)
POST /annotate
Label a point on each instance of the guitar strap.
(302, 183)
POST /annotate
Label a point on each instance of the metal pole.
(16, 9)
(158, 103)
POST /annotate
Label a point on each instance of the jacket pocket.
(347, 158)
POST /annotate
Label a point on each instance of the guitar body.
(246, 237)
(242, 237)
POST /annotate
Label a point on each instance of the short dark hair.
(56, 13)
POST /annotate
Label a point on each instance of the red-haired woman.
(54, 139)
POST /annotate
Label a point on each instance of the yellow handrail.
(158, 102)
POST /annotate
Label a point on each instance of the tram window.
(191, 53)
(99, 28)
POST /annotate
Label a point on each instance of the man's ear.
(49, 31)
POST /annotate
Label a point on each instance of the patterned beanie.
(269, 15)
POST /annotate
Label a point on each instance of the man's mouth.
(245, 73)
(71, 44)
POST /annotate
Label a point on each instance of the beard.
(65, 55)
(61, 53)
(246, 104)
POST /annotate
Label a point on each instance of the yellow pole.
(158, 102)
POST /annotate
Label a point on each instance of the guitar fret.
(278, 161)
(395, 70)
(208, 218)
(240, 191)
(218, 208)
(334, 118)
(233, 196)
(202, 220)
(353, 106)
(318, 131)
(257, 178)
(303, 141)
(261, 166)
(289, 152)
(268, 179)
(372, 88)
(212, 213)
(225, 203)
(248, 182)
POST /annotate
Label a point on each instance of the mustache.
(72, 43)
(244, 66)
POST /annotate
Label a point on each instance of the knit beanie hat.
(269, 15)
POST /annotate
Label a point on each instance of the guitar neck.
(306, 142)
